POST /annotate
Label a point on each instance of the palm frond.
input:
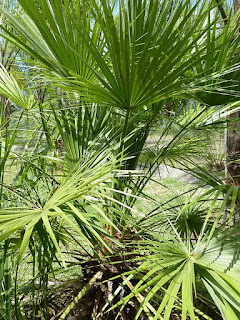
(170, 269)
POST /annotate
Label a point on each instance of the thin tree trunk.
(232, 168)
(232, 171)
(6, 60)
(232, 135)
(236, 5)
(222, 11)
(6, 111)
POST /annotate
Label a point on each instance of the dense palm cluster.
(84, 85)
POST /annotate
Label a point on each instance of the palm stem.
(124, 133)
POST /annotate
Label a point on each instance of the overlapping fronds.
(170, 268)
(128, 55)
(85, 184)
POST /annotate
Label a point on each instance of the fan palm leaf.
(85, 182)
(170, 267)
(225, 89)
(130, 55)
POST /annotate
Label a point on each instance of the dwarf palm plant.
(111, 66)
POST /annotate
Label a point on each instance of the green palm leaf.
(170, 269)
(139, 58)
(84, 184)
